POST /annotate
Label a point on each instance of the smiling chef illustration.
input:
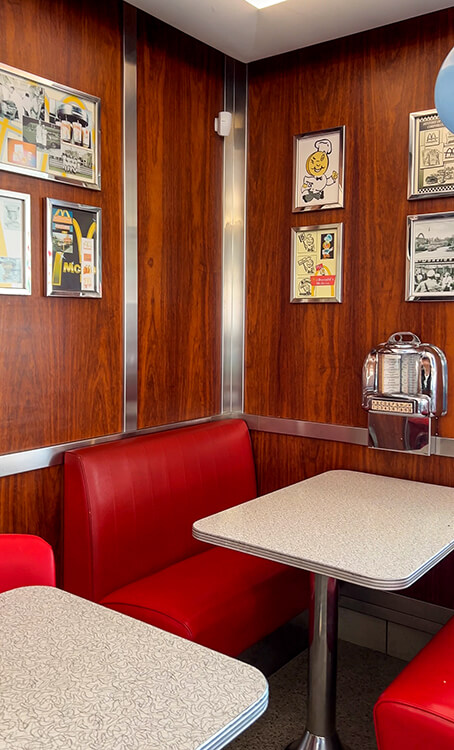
(317, 163)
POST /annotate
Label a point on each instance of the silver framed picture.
(431, 156)
(430, 257)
(15, 250)
(316, 263)
(73, 250)
(318, 170)
(48, 130)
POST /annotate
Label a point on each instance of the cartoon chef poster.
(319, 170)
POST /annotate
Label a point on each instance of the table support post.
(320, 731)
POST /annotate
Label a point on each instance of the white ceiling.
(246, 34)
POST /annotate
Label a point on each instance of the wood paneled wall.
(62, 363)
(180, 90)
(61, 372)
(304, 361)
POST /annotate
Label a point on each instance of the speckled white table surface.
(367, 529)
(76, 675)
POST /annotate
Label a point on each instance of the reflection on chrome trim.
(130, 299)
(234, 238)
(318, 430)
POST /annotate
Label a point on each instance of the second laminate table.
(371, 530)
(74, 674)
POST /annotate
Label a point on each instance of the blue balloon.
(444, 92)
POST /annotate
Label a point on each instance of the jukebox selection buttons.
(397, 407)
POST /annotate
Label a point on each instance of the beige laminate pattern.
(77, 675)
(371, 530)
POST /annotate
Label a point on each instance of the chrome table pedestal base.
(320, 731)
(310, 741)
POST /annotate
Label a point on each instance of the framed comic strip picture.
(430, 257)
(316, 265)
(15, 252)
(431, 156)
(73, 250)
(318, 170)
(48, 130)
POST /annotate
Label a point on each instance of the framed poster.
(430, 257)
(48, 130)
(431, 156)
(73, 250)
(318, 170)
(15, 253)
(316, 264)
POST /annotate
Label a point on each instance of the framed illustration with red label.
(73, 250)
(316, 267)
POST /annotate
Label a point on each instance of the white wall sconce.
(223, 123)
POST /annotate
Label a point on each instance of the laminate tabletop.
(74, 674)
(371, 530)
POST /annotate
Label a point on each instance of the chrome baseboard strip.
(392, 606)
(318, 430)
(234, 238)
(130, 241)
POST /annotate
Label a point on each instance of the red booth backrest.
(130, 504)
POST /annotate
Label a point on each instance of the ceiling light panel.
(264, 3)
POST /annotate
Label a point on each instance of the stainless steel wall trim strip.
(53, 455)
(130, 244)
(42, 458)
(318, 430)
(234, 238)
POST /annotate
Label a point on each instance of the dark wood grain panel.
(61, 372)
(31, 503)
(283, 460)
(180, 90)
(304, 361)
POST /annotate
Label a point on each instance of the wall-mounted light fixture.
(444, 92)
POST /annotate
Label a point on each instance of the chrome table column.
(320, 731)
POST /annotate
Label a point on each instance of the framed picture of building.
(318, 170)
(48, 130)
(431, 156)
(73, 250)
(15, 251)
(430, 257)
(316, 265)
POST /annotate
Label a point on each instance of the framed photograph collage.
(51, 132)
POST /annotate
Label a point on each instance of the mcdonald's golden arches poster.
(73, 250)
(316, 264)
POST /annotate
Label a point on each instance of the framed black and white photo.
(48, 130)
(318, 170)
(15, 251)
(431, 156)
(430, 257)
(73, 250)
(316, 266)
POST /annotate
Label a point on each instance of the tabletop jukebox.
(404, 389)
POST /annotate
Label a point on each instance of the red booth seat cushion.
(416, 712)
(223, 599)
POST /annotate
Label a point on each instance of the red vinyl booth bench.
(128, 512)
(416, 712)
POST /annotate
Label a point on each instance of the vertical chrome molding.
(130, 262)
(234, 238)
